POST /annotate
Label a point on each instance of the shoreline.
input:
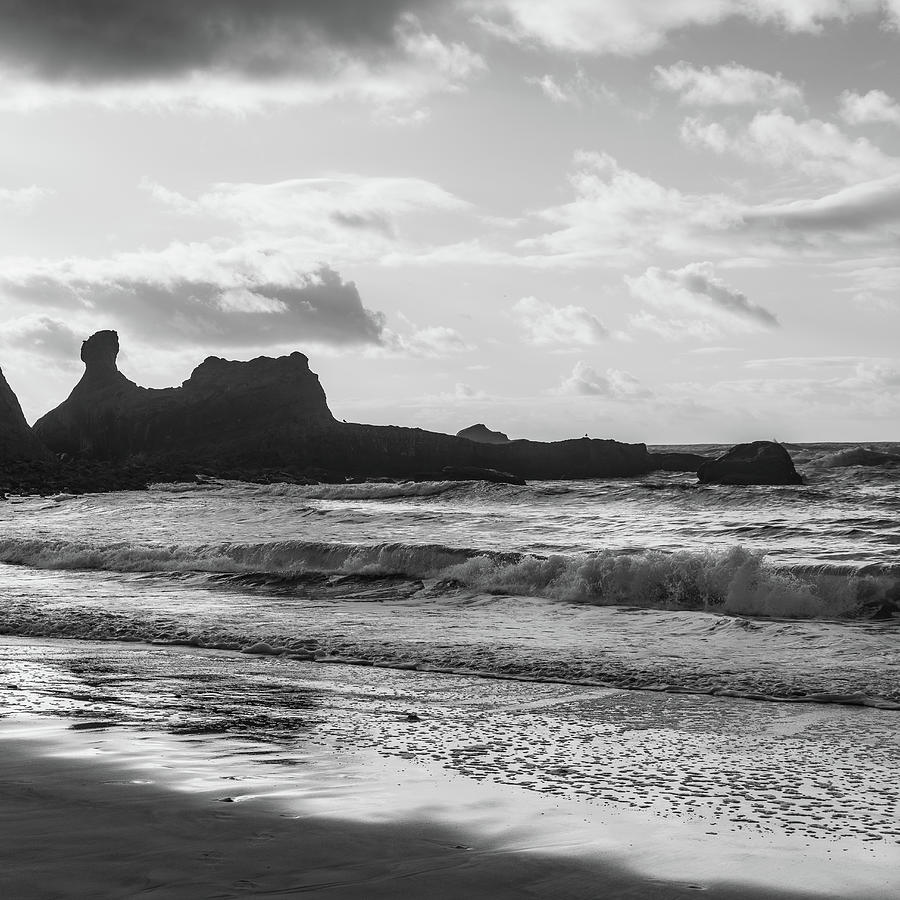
(88, 814)
(118, 762)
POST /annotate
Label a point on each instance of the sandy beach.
(151, 771)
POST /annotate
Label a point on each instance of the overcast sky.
(669, 222)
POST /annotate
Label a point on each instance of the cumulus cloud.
(695, 302)
(432, 341)
(630, 27)
(223, 52)
(875, 106)
(811, 146)
(586, 381)
(547, 324)
(240, 311)
(731, 85)
(618, 215)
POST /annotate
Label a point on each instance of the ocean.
(656, 583)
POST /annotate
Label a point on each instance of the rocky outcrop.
(232, 407)
(17, 441)
(760, 462)
(483, 435)
(241, 418)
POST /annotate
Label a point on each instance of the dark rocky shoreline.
(267, 420)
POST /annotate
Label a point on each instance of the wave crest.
(736, 581)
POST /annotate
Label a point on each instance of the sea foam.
(736, 581)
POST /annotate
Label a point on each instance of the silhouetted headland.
(268, 420)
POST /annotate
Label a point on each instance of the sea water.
(787, 593)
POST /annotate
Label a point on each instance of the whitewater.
(656, 583)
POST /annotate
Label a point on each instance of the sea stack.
(760, 462)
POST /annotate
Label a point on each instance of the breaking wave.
(388, 490)
(736, 581)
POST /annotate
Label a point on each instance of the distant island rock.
(759, 462)
(18, 442)
(483, 435)
(241, 417)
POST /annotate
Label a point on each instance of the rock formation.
(761, 462)
(230, 406)
(483, 435)
(243, 417)
(17, 441)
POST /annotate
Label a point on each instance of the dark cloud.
(859, 208)
(103, 40)
(47, 337)
(699, 281)
(321, 309)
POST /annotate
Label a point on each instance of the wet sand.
(164, 772)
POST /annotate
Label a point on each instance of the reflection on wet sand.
(675, 787)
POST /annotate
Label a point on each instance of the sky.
(667, 222)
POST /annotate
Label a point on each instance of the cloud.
(586, 381)
(875, 106)
(813, 147)
(43, 336)
(22, 199)
(575, 91)
(340, 217)
(547, 324)
(223, 53)
(462, 393)
(695, 303)
(631, 27)
(867, 207)
(238, 311)
(433, 341)
(618, 215)
(550, 88)
(731, 85)
(347, 201)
